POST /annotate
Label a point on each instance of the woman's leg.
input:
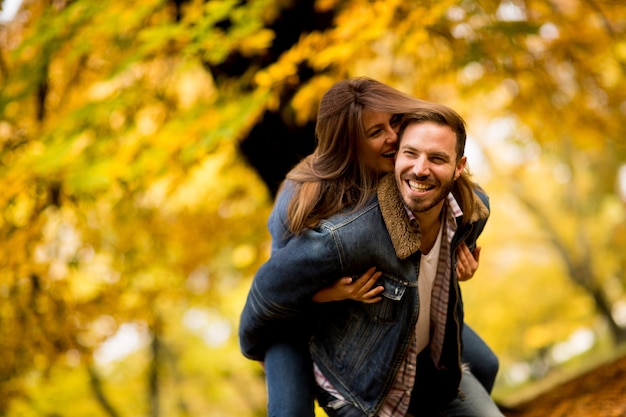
(482, 361)
(290, 383)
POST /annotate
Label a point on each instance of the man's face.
(426, 166)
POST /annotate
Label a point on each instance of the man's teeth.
(419, 187)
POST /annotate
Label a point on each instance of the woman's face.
(381, 140)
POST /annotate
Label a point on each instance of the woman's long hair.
(333, 177)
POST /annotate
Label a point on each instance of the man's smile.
(419, 187)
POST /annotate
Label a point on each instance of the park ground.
(599, 392)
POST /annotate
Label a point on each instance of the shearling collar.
(407, 239)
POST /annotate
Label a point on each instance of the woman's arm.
(283, 288)
(348, 289)
(362, 289)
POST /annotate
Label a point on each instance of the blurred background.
(142, 144)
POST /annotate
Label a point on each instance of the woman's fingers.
(373, 296)
(364, 291)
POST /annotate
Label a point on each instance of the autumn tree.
(129, 135)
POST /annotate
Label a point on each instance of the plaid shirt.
(397, 401)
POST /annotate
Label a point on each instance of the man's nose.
(421, 167)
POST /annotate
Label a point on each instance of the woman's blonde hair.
(333, 177)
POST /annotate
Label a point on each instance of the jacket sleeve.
(283, 288)
(478, 226)
(277, 222)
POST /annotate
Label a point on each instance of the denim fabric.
(347, 336)
(333, 410)
(481, 359)
(291, 387)
(473, 401)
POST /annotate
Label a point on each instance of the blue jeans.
(291, 386)
(482, 361)
(291, 389)
(473, 401)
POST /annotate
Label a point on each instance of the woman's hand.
(466, 262)
(359, 290)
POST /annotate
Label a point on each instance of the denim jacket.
(359, 347)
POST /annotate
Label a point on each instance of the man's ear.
(460, 166)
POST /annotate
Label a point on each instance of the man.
(402, 354)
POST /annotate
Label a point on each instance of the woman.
(357, 137)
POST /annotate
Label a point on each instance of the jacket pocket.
(386, 310)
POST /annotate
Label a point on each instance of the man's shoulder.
(481, 205)
(481, 194)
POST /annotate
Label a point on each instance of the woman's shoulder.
(277, 222)
(362, 216)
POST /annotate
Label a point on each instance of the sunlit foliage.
(131, 223)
